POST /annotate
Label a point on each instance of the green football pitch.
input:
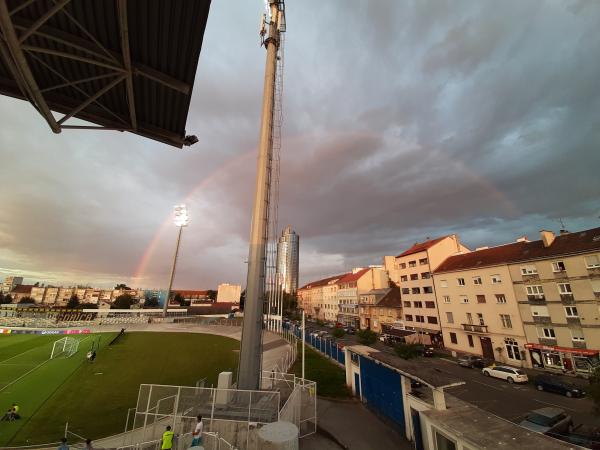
(94, 397)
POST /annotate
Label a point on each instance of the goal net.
(66, 347)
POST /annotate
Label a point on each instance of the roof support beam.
(20, 63)
(98, 94)
(74, 83)
(42, 20)
(162, 78)
(124, 31)
(48, 51)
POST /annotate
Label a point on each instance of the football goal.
(66, 347)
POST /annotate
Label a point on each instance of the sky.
(402, 121)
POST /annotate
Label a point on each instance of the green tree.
(26, 300)
(7, 299)
(122, 286)
(242, 299)
(367, 337)
(73, 302)
(593, 390)
(338, 332)
(212, 294)
(179, 299)
(150, 301)
(123, 301)
(407, 351)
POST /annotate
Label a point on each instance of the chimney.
(547, 237)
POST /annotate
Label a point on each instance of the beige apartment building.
(229, 293)
(379, 308)
(557, 285)
(37, 293)
(411, 271)
(319, 299)
(478, 308)
(351, 286)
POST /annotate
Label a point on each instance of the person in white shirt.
(197, 433)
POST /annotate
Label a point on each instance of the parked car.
(553, 383)
(548, 420)
(424, 350)
(322, 333)
(350, 330)
(330, 325)
(507, 373)
(471, 361)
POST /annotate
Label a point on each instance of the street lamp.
(181, 220)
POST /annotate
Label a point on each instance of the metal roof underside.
(124, 65)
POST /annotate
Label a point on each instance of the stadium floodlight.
(181, 220)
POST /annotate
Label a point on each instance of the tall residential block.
(10, 283)
(288, 251)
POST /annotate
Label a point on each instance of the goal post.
(66, 347)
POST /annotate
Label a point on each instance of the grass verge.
(330, 378)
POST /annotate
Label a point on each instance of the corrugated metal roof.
(152, 44)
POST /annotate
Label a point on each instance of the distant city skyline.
(401, 122)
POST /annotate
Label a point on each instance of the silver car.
(546, 420)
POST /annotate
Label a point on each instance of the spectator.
(88, 445)
(15, 411)
(197, 433)
(63, 444)
(167, 439)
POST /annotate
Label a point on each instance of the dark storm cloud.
(403, 120)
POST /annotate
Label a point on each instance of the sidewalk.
(354, 427)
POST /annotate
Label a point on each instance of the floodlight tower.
(181, 220)
(251, 346)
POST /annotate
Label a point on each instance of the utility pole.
(250, 366)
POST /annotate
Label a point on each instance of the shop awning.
(553, 348)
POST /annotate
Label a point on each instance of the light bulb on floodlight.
(181, 216)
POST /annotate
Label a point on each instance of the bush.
(338, 332)
(320, 322)
(593, 390)
(407, 351)
(367, 337)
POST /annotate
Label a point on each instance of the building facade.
(412, 272)
(288, 252)
(319, 298)
(229, 293)
(10, 283)
(350, 288)
(379, 308)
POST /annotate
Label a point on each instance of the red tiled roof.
(421, 246)
(391, 299)
(566, 244)
(22, 289)
(187, 292)
(322, 282)
(353, 276)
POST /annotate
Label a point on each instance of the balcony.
(573, 320)
(475, 328)
(567, 299)
(531, 277)
(547, 341)
(579, 344)
(597, 295)
(560, 274)
(542, 319)
(537, 299)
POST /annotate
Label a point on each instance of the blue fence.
(326, 346)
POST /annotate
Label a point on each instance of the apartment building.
(37, 293)
(229, 293)
(412, 271)
(20, 291)
(10, 283)
(351, 286)
(319, 298)
(478, 308)
(304, 296)
(379, 308)
(557, 285)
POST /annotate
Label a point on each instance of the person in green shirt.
(167, 439)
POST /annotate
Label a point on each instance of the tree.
(242, 299)
(338, 332)
(179, 299)
(212, 294)
(407, 351)
(26, 300)
(73, 302)
(593, 390)
(122, 287)
(123, 301)
(150, 301)
(7, 299)
(367, 337)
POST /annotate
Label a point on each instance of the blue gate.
(382, 391)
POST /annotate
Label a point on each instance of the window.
(416, 290)
(500, 298)
(496, 279)
(431, 319)
(470, 318)
(481, 299)
(423, 261)
(425, 276)
(548, 333)
(405, 291)
(571, 311)
(480, 318)
(407, 304)
(506, 322)
(412, 264)
(558, 266)
(414, 276)
(449, 317)
(470, 339)
(564, 288)
(429, 304)
(453, 338)
(595, 286)
(428, 290)
(446, 299)
(477, 281)
(577, 335)
(464, 299)
(442, 442)
(592, 262)
(444, 283)
(404, 278)
(418, 304)
(420, 319)
(540, 311)
(408, 317)
(460, 281)
(528, 270)
(535, 290)
(403, 265)
(512, 349)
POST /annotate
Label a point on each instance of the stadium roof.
(125, 65)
